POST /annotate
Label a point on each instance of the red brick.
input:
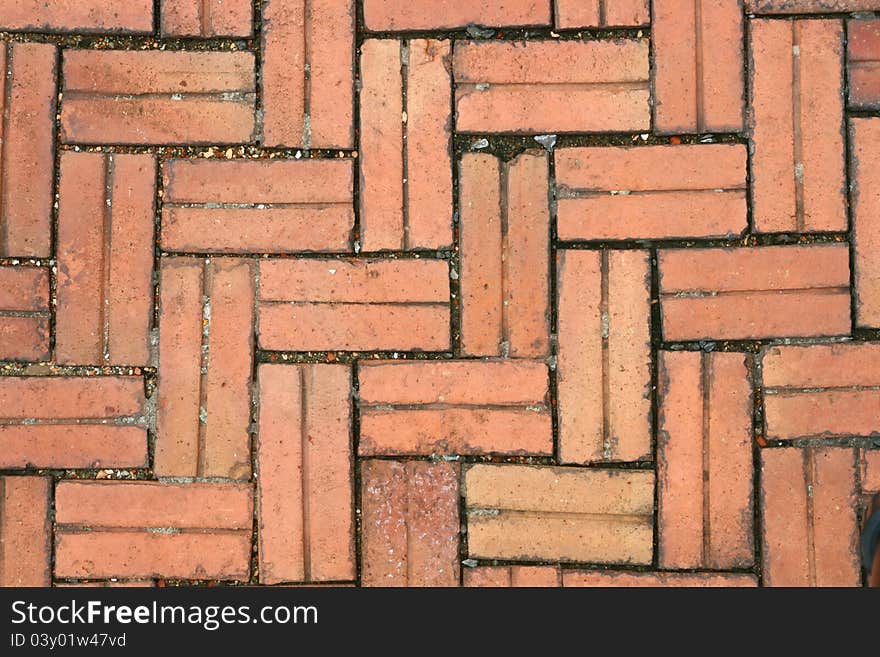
(704, 461)
(148, 529)
(105, 259)
(602, 13)
(698, 66)
(145, 97)
(604, 359)
(406, 192)
(200, 18)
(107, 584)
(25, 532)
(24, 313)
(552, 86)
(865, 168)
(454, 407)
(821, 390)
(78, 16)
(305, 496)
(651, 192)
(808, 6)
(354, 305)
(748, 293)
(410, 523)
(205, 361)
(505, 253)
(610, 578)
(863, 63)
(808, 506)
(870, 471)
(257, 206)
(308, 73)
(512, 576)
(27, 132)
(560, 514)
(796, 96)
(72, 422)
(382, 15)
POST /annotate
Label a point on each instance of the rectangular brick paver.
(78, 16)
(821, 391)
(210, 538)
(206, 18)
(72, 422)
(382, 15)
(25, 531)
(24, 313)
(698, 73)
(608, 578)
(604, 358)
(808, 508)
(354, 305)
(512, 576)
(704, 461)
(505, 256)
(651, 192)
(105, 263)
(865, 172)
(154, 97)
(570, 514)
(405, 144)
(27, 130)
(304, 452)
(748, 293)
(552, 86)
(601, 13)
(863, 63)
(454, 407)
(410, 523)
(257, 206)
(795, 126)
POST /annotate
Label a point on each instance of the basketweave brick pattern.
(552, 293)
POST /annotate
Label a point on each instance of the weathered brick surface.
(25, 532)
(205, 360)
(552, 86)
(604, 356)
(304, 455)
(698, 72)
(384, 15)
(651, 192)
(570, 514)
(704, 461)
(865, 172)
(608, 578)
(410, 524)
(24, 313)
(870, 470)
(454, 407)
(795, 126)
(748, 293)
(602, 13)
(105, 259)
(208, 18)
(808, 509)
(120, 97)
(863, 63)
(807, 6)
(354, 305)
(821, 391)
(505, 254)
(257, 206)
(72, 422)
(27, 108)
(512, 576)
(307, 49)
(211, 522)
(405, 144)
(78, 16)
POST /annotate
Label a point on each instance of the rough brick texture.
(607, 578)
(383, 15)
(652, 192)
(862, 59)
(207, 18)
(78, 16)
(865, 171)
(512, 576)
(266, 206)
(24, 313)
(25, 531)
(552, 86)
(454, 407)
(601, 13)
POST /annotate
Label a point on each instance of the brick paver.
(524, 293)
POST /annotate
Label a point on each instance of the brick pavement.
(523, 293)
